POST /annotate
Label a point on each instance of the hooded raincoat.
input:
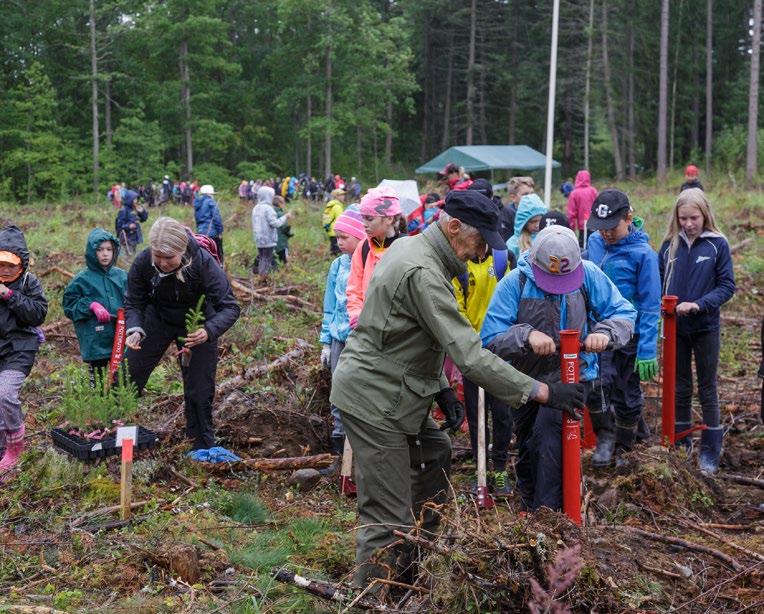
(105, 285)
(580, 201)
(527, 209)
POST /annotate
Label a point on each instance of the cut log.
(289, 463)
(325, 590)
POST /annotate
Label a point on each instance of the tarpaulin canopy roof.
(487, 158)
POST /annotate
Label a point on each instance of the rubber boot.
(2, 444)
(603, 427)
(685, 442)
(625, 437)
(337, 444)
(710, 449)
(643, 430)
(14, 442)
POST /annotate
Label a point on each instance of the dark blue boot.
(710, 449)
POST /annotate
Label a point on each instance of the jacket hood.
(583, 179)
(525, 266)
(95, 238)
(265, 195)
(530, 206)
(12, 240)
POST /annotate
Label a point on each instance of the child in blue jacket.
(696, 266)
(550, 290)
(622, 250)
(335, 327)
(92, 298)
(207, 217)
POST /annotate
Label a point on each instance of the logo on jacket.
(559, 265)
(603, 211)
(702, 259)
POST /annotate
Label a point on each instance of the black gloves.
(452, 407)
(568, 398)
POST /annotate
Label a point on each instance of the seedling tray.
(88, 449)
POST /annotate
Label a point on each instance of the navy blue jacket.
(699, 273)
(128, 215)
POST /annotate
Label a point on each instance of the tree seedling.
(194, 320)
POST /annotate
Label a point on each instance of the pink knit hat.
(381, 202)
(351, 223)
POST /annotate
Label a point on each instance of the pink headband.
(350, 222)
(381, 202)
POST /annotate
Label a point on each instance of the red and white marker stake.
(126, 483)
(347, 485)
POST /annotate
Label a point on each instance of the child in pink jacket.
(381, 214)
(580, 204)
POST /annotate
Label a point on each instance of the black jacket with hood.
(25, 309)
(151, 295)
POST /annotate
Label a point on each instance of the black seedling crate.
(88, 449)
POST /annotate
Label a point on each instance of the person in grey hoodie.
(265, 224)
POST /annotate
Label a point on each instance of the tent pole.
(550, 109)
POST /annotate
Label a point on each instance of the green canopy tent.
(475, 158)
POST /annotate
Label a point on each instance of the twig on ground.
(741, 479)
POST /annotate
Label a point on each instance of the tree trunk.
(709, 82)
(673, 85)
(358, 146)
(328, 113)
(309, 141)
(751, 156)
(588, 82)
(482, 121)
(471, 74)
(447, 103)
(609, 99)
(94, 98)
(107, 111)
(663, 92)
(185, 99)
(389, 134)
(631, 155)
(695, 125)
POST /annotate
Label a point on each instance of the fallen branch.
(731, 527)
(742, 245)
(741, 479)
(292, 301)
(663, 572)
(289, 463)
(31, 609)
(325, 590)
(724, 540)
(104, 511)
(424, 543)
(48, 328)
(56, 269)
(676, 541)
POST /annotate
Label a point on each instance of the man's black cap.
(607, 209)
(483, 186)
(471, 207)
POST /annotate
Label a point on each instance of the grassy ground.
(243, 524)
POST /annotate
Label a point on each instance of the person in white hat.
(207, 216)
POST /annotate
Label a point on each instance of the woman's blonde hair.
(169, 237)
(695, 197)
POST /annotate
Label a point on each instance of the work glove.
(452, 408)
(353, 322)
(568, 398)
(326, 356)
(647, 369)
(100, 312)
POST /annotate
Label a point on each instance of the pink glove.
(353, 322)
(100, 312)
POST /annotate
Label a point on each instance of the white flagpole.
(550, 109)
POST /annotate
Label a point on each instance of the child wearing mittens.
(92, 298)
(23, 307)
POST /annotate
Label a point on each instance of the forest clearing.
(657, 535)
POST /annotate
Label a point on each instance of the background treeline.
(223, 89)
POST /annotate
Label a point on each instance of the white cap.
(206, 189)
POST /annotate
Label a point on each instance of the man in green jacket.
(391, 370)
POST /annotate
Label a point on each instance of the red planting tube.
(571, 431)
(118, 347)
(668, 309)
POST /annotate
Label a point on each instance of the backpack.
(500, 265)
(366, 247)
(206, 244)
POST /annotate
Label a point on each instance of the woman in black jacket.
(164, 283)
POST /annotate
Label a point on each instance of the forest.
(109, 90)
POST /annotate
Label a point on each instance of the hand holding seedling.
(198, 337)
